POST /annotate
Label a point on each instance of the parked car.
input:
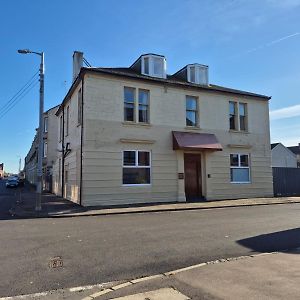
(12, 182)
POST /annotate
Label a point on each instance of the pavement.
(53, 206)
(261, 276)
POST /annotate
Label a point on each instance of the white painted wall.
(283, 157)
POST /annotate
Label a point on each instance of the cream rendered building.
(137, 135)
(50, 153)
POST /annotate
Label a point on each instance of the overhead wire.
(20, 91)
(31, 83)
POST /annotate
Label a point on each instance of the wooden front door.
(192, 177)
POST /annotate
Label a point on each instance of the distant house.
(50, 136)
(1, 170)
(296, 151)
(282, 156)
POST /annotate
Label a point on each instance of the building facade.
(50, 132)
(138, 135)
(296, 151)
(282, 156)
(1, 171)
(30, 163)
(50, 153)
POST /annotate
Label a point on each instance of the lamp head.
(24, 51)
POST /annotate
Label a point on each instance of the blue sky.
(250, 45)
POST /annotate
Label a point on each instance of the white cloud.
(288, 142)
(286, 112)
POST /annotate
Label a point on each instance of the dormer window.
(197, 73)
(153, 65)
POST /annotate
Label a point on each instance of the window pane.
(232, 108)
(244, 160)
(232, 122)
(191, 103)
(191, 118)
(143, 97)
(144, 158)
(79, 110)
(146, 65)
(129, 158)
(143, 114)
(192, 74)
(157, 65)
(240, 175)
(242, 123)
(136, 175)
(128, 112)
(242, 109)
(128, 95)
(45, 124)
(234, 160)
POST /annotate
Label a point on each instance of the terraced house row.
(138, 135)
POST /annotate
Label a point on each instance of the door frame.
(202, 173)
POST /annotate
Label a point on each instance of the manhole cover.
(56, 262)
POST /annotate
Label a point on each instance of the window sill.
(246, 182)
(134, 124)
(137, 185)
(239, 131)
(192, 127)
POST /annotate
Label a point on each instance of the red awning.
(195, 141)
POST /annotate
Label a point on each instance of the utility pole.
(20, 160)
(38, 205)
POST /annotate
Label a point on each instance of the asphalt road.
(107, 248)
(8, 198)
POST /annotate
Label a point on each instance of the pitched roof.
(274, 145)
(173, 80)
(170, 80)
(295, 149)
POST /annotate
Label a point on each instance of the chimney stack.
(77, 63)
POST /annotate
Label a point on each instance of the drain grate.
(56, 262)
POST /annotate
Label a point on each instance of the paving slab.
(160, 294)
(269, 276)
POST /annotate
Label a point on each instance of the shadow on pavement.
(275, 241)
(19, 203)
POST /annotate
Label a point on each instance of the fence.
(286, 182)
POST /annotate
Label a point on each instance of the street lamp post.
(38, 205)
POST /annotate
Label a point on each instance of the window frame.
(79, 107)
(136, 166)
(245, 116)
(61, 126)
(126, 102)
(198, 71)
(237, 116)
(144, 105)
(192, 110)
(136, 106)
(240, 167)
(45, 124)
(67, 120)
(45, 149)
(151, 59)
